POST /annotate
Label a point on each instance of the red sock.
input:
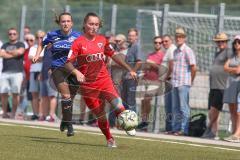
(104, 126)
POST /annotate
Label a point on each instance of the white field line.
(136, 138)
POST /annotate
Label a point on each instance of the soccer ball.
(128, 120)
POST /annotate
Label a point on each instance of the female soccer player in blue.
(59, 42)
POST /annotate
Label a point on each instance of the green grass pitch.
(18, 142)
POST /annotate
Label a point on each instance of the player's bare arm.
(119, 60)
(80, 77)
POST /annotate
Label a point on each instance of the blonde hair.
(30, 36)
(40, 32)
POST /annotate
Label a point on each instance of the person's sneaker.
(205, 134)
(5, 116)
(34, 117)
(41, 118)
(70, 131)
(232, 138)
(111, 143)
(209, 135)
(50, 119)
(131, 132)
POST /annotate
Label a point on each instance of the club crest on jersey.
(71, 39)
(100, 45)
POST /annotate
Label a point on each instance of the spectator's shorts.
(11, 82)
(215, 99)
(238, 108)
(46, 90)
(34, 82)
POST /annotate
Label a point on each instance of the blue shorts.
(34, 82)
(46, 90)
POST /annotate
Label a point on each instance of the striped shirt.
(183, 59)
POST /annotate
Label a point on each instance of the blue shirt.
(61, 45)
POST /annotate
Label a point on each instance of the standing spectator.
(184, 70)
(168, 63)
(232, 91)
(1, 65)
(218, 78)
(12, 73)
(134, 58)
(25, 94)
(34, 87)
(47, 93)
(151, 76)
(26, 31)
(1, 59)
(116, 70)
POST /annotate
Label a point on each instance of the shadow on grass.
(53, 140)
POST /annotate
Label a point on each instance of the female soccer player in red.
(90, 51)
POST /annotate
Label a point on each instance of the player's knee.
(67, 104)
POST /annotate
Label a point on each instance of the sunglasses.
(117, 41)
(157, 42)
(10, 34)
(29, 40)
(165, 41)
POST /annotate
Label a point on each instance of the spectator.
(116, 70)
(34, 87)
(47, 93)
(232, 91)
(151, 76)
(168, 62)
(218, 80)
(134, 58)
(1, 59)
(25, 94)
(26, 31)
(12, 72)
(184, 70)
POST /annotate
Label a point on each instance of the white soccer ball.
(128, 120)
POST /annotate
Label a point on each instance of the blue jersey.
(61, 45)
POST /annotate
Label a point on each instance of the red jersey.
(91, 56)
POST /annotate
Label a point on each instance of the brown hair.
(58, 17)
(91, 14)
(134, 30)
(156, 37)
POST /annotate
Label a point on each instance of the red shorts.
(95, 94)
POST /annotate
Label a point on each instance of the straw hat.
(221, 37)
(180, 32)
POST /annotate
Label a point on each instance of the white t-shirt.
(1, 60)
(168, 55)
(35, 67)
